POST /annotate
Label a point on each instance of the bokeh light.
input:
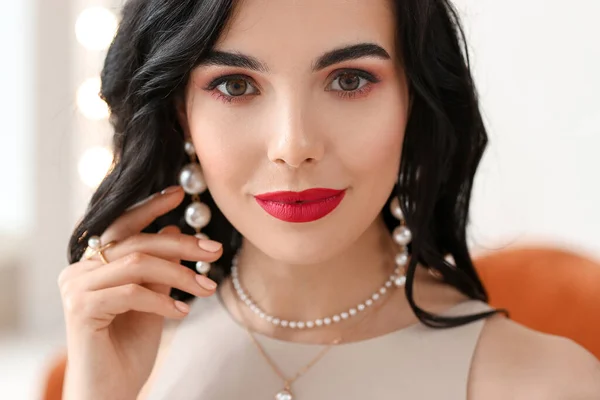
(93, 165)
(95, 28)
(88, 100)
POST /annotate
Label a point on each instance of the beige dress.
(211, 357)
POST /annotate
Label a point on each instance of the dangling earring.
(197, 214)
(402, 236)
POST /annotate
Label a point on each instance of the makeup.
(306, 206)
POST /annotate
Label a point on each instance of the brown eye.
(236, 87)
(231, 88)
(349, 81)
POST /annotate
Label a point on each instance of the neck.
(310, 291)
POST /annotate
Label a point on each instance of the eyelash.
(371, 80)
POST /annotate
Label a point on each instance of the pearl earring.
(197, 214)
(402, 236)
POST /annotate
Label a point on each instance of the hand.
(114, 312)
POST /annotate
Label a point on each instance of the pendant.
(284, 394)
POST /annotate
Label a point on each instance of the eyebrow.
(335, 56)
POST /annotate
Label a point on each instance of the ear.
(182, 116)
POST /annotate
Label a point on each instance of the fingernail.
(205, 282)
(209, 245)
(181, 306)
(170, 189)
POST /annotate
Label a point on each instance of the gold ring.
(95, 247)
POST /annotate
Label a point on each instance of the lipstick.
(306, 206)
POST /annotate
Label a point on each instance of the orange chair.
(55, 378)
(547, 289)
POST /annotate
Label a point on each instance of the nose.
(293, 143)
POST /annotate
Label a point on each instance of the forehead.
(302, 28)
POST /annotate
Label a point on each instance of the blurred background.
(535, 64)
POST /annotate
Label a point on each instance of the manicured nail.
(209, 245)
(171, 189)
(181, 306)
(205, 282)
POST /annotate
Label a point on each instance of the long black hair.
(147, 68)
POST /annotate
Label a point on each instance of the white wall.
(16, 134)
(53, 110)
(536, 63)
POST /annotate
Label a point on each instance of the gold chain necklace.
(286, 393)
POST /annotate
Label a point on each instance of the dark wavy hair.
(145, 73)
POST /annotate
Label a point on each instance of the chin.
(302, 247)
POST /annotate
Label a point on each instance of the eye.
(350, 83)
(230, 88)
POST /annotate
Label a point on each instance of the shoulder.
(512, 361)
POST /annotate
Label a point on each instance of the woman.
(326, 152)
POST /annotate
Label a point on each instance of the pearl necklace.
(395, 279)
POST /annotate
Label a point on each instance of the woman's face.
(297, 121)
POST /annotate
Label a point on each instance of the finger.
(110, 302)
(169, 245)
(173, 229)
(84, 267)
(139, 216)
(140, 268)
(159, 288)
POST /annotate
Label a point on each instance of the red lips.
(305, 206)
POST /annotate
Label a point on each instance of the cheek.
(371, 143)
(380, 153)
(224, 159)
